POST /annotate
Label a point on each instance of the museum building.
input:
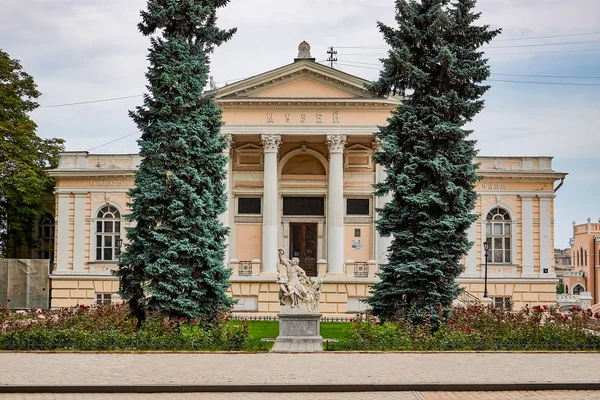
(300, 177)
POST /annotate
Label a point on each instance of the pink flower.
(469, 330)
(181, 319)
(377, 323)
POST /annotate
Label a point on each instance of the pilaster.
(526, 236)
(62, 234)
(471, 258)
(226, 216)
(79, 233)
(546, 232)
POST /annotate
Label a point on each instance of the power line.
(548, 37)
(546, 83)
(550, 76)
(495, 40)
(488, 54)
(91, 101)
(496, 73)
(113, 141)
(545, 44)
(542, 52)
(514, 81)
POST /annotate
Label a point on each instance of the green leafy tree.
(173, 263)
(24, 157)
(436, 63)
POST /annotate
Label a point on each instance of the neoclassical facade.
(300, 177)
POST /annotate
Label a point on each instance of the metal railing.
(361, 270)
(245, 268)
(468, 299)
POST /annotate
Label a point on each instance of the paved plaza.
(300, 369)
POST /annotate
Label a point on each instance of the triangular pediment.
(299, 80)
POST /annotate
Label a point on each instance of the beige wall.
(248, 242)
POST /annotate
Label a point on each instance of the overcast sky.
(81, 50)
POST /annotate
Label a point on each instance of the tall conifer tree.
(174, 261)
(436, 63)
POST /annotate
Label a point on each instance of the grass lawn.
(270, 329)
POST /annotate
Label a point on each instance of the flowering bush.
(478, 328)
(110, 327)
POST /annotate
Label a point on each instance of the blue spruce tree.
(436, 63)
(173, 263)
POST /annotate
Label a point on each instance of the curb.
(298, 388)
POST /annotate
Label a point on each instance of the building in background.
(300, 177)
(581, 279)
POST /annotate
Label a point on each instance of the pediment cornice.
(251, 87)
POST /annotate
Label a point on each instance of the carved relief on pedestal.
(270, 142)
(336, 143)
(296, 290)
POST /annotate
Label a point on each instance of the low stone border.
(302, 388)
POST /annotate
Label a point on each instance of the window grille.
(103, 298)
(303, 206)
(249, 205)
(578, 289)
(357, 206)
(245, 268)
(502, 302)
(45, 237)
(498, 230)
(108, 232)
(361, 270)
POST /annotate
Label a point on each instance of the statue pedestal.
(299, 331)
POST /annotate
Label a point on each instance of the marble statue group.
(297, 290)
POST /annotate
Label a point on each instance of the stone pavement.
(529, 395)
(322, 368)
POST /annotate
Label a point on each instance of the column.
(79, 233)
(383, 242)
(270, 207)
(225, 217)
(526, 237)
(335, 204)
(62, 233)
(546, 233)
(471, 258)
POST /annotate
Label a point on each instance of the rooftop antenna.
(331, 59)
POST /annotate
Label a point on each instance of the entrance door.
(303, 244)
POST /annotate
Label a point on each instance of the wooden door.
(303, 244)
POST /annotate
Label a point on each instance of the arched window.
(45, 236)
(585, 258)
(577, 289)
(498, 230)
(581, 261)
(108, 231)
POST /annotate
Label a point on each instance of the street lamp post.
(486, 248)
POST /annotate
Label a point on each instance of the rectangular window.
(304, 206)
(249, 205)
(103, 298)
(502, 302)
(357, 207)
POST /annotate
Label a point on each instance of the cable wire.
(91, 101)
(113, 141)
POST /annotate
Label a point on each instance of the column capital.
(376, 144)
(229, 142)
(270, 142)
(335, 143)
